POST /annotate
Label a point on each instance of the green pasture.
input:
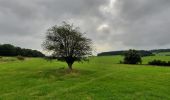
(163, 54)
(102, 78)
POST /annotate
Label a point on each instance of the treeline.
(111, 53)
(10, 50)
(159, 63)
(141, 52)
(160, 50)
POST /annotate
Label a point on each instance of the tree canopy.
(132, 57)
(112, 53)
(10, 50)
(67, 43)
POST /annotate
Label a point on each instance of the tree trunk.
(70, 66)
(70, 61)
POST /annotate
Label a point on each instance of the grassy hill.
(163, 54)
(102, 78)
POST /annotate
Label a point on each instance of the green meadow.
(102, 78)
(163, 54)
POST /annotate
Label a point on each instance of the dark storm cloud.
(114, 24)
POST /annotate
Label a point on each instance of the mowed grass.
(102, 78)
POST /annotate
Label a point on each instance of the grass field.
(163, 54)
(102, 78)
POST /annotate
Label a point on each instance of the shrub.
(1, 57)
(159, 63)
(132, 57)
(20, 58)
(7, 59)
(121, 62)
(168, 62)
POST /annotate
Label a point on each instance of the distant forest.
(141, 52)
(10, 50)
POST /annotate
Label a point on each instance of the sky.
(111, 24)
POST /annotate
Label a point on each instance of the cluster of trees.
(10, 50)
(159, 63)
(141, 52)
(132, 57)
(111, 53)
(160, 50)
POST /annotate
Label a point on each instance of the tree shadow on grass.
(61, 73)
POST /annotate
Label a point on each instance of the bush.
(132, 57)
(121, 62)
(159, 63)
(20, 58)
(1, 57)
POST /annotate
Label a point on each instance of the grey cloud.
(146, 23)
(23, 19)
(134, 10)
(25, 16)
(131, 23)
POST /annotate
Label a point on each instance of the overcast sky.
(111, 24)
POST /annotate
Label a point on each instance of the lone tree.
(67, 43)
(132, 57)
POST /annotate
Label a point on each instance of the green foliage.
(99, 79)
(7, 50)
(10, 50)
(67, 43)
(159, 63)
(132, 57)
(143, 53)
(160, 50)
